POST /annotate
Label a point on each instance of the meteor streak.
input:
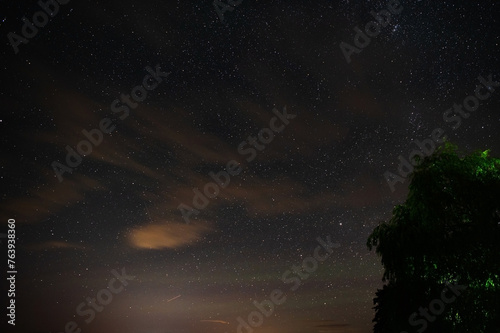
(216, 321)
(176, 297)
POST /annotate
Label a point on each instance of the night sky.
(308, 131)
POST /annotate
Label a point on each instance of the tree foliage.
(448, 229)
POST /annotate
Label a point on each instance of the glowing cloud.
(167, 235)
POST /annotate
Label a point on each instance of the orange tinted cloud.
(45, 201)
(166, 235)
(53, 245)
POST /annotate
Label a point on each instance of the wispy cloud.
(42, 202)
(157, 236)
(55, 245)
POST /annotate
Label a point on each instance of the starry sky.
(217, 87)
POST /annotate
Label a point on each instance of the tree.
(447, 230)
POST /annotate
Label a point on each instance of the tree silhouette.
(448, 230)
